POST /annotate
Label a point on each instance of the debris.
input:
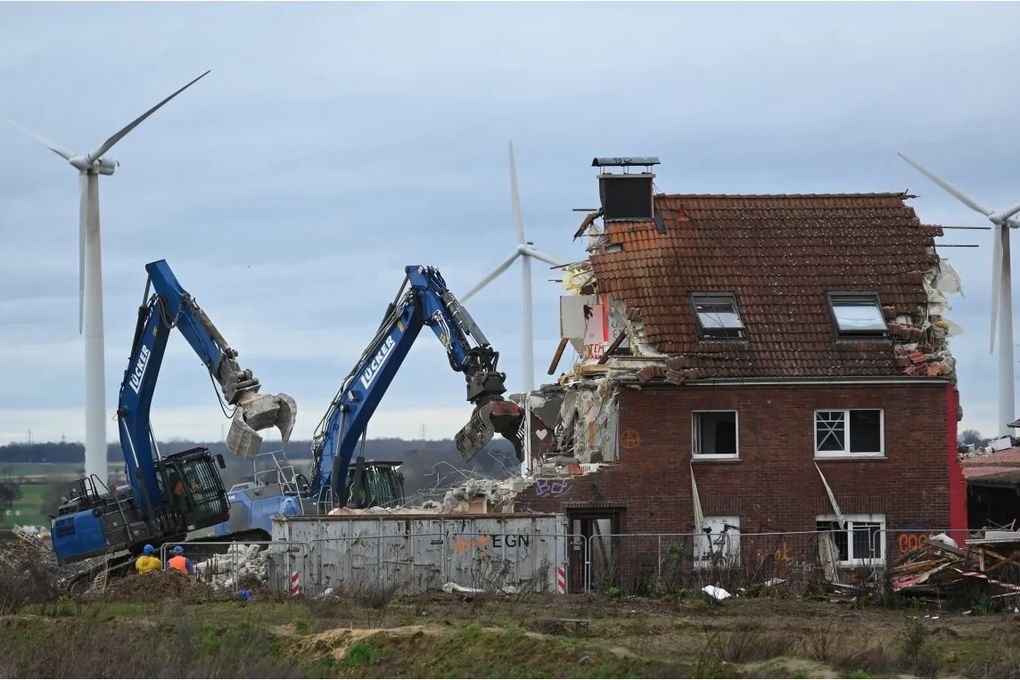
(240, 564)
(940, 564)
(716, 593)
(452, 587)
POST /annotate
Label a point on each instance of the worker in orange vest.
(180, 562)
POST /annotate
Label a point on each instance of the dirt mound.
(162, 585)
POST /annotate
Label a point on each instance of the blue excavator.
(167, 496)
(338, 479)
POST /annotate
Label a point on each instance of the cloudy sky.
(333, 144)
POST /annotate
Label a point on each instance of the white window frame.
(725, 545)
(696, 430)
(847, 297)
(846, 452)
(875, 518)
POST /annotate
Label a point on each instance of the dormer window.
(718, 316)
(857, 313)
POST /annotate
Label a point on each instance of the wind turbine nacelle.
(104, 166)
(101, 166)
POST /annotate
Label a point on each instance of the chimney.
(626, 196)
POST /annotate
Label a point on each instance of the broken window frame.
(696, 453)
(718, 333)
(836, 297)
(717, 550)
(847, 425)
(873, 523)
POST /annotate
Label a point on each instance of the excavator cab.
(192, 486)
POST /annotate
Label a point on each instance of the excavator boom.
(423, 300)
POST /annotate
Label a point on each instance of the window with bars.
(849, 432)
(718, 316)
(860, 543)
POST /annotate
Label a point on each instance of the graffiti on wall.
(554, 488)
(464, 544)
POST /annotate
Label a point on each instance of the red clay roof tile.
(780, 254)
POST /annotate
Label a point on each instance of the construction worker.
(146, 563)
(180, 562)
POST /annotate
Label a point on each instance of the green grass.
(21, 469)
(26, 509)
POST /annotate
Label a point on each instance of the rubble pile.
(32, 556)
(157, 587)
(483, 495)
(240, 564)
(940, 566)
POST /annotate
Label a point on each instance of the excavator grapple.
(257, 412)
(498, 415)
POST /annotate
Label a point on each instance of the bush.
(746, 643)
(918, 652)
(25, 578)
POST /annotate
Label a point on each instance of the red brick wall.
(774, 486)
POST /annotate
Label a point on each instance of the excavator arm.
(169, 495)
(423, 300)
(170, 307)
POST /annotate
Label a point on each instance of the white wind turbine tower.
(90, 281)
(1002, 290)
(524, 250)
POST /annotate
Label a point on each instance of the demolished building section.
(739, 343)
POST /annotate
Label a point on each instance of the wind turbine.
(90, 280)
(1002, 289)
(524, 250)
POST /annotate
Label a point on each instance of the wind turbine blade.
(996, 282)
(960, 196)
(534, 252)
(516, 197)
(503, 266)
(133, 124)
(55, 148)
(1012, 211)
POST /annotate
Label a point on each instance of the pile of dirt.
(162, 585)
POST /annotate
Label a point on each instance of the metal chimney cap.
(624, 162)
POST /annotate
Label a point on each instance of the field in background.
(32, 480)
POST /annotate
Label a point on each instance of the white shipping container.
(405, 553)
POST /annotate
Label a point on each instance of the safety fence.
(409, 563)
(735, 560)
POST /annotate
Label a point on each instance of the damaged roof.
(780, 255)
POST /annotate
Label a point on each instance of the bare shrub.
(25, 579)
(745, 643)
(376, 595)
(848, 652)
(1002, 660)
(824, 642)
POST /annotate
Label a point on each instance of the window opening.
(718, 316)
(715, 434)
(857, 313)
(849, 432)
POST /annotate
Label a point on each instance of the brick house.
(766, 341)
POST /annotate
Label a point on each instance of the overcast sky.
(333, 144)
